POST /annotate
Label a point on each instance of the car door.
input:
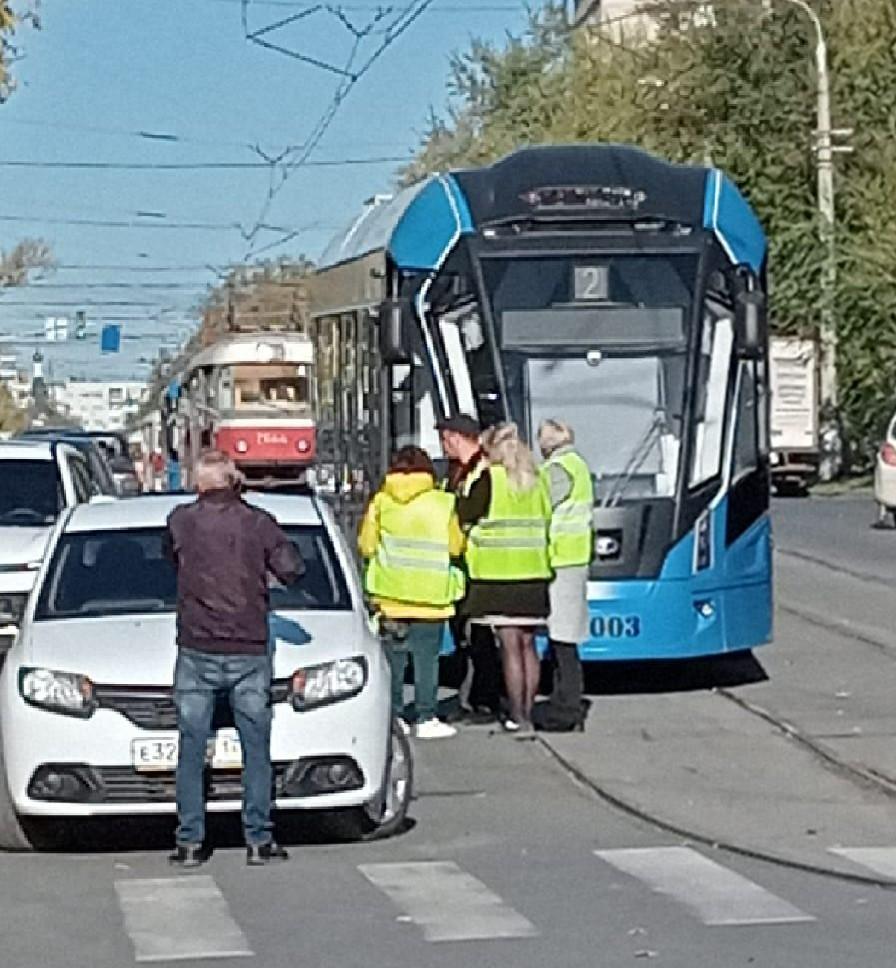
(80, 485)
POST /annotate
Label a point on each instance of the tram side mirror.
(396, 322)
(750, 323)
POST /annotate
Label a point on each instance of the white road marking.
(448, 903)
(881, 860)
(178, 918)
(715, 894)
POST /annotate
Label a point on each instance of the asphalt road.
(837, 531)
(511, 860)
(508, 862)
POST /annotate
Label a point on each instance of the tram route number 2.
(615, 626)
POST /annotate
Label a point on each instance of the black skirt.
(515, 599)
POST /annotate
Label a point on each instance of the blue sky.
(101, 68)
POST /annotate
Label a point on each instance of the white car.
(885, 477)
(87, 719)
(37, 480)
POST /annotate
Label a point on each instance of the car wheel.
(378, 821)
(13, 835)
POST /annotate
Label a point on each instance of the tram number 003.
(615, 626)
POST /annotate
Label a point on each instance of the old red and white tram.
(251, 395)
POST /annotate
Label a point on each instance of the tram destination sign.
(605, 198)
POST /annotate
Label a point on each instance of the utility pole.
(827, 330)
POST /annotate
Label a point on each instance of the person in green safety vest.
(507, 560)
(475, 653)
(408, 537)
(568, 480)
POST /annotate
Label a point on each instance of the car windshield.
(30, 492)
(103, 573)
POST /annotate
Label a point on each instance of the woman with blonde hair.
(507, 512)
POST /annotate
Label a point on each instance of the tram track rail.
(692, 835)
(864, 777)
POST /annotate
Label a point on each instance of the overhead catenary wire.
(284, 166)
(85, 165)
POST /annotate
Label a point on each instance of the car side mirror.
(396, 321)
(750, 323)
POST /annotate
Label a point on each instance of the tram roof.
(420, 225)
(255, 348)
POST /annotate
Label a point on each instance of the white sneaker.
(435, 729)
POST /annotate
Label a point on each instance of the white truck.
(795, 451)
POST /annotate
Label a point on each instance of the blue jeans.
(422, 642)
(199, 678)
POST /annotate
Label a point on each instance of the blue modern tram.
(609, 288)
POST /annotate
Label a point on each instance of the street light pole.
(825, 174)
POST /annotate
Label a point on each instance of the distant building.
(8, 367)
(635, 20)
(99, 405)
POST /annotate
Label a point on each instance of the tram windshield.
(627, 417)
(261, 389)
(601, 342)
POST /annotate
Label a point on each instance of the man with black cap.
(467, 465)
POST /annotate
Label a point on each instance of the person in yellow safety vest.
(408, 537)
(476, 658)
(570, 487)
(508, 563)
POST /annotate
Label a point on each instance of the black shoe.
(188, 855)
(257, 855)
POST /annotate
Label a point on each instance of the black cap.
(460, 424)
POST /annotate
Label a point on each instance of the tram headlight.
(302, 446)
(241, 446)
(705, 608)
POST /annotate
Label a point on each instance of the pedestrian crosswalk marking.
(179, 918)
(717, 896)
(881, 860)
(446, 902)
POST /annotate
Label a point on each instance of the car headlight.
(328, 682)
(58, 692)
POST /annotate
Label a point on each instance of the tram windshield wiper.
(639, 454)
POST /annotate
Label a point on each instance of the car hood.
(140, 650)
(22, 545)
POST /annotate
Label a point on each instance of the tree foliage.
(10, 20)
(12, 418)
(22, 259)
(736, 90)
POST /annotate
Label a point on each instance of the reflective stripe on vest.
(471, 478)
(511, 542)
(412, 562)
(571, 527)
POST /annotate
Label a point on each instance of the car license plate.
(148, 755)
(224, 752)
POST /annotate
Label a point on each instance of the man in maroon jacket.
(224, 550)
